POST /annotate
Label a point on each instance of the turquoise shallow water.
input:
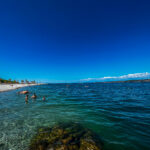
(119, 113)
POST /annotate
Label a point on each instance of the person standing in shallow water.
(44, 98)
(34, 96)
(26, 98)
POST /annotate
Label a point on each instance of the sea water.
(118, 112)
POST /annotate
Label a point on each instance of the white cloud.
(128, 76)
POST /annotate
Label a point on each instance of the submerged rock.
(66, 136)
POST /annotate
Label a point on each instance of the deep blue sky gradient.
(66, 40)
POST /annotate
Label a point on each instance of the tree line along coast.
(10, 81)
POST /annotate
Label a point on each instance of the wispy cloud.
(123, 77)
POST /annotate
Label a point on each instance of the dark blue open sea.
(119, 113)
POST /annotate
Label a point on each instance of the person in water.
(34, 96)
(43, 98)
(26, 98)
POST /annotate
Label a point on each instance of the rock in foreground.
(65, 137)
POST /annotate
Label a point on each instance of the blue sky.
(66, 41)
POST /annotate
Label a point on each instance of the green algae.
(66, 136)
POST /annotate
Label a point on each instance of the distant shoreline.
(128, 81)
(8, 87)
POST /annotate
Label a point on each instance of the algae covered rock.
(68, 136)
